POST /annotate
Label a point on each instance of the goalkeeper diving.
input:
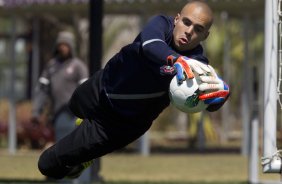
(118, 103)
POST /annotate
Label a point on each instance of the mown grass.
(119, 182)
(127, 168)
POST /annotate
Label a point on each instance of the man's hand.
(185, 67)
(216, 90)
(214, 97)
(35, 121)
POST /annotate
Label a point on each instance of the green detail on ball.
(193, 100)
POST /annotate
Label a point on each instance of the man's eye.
(199, 29)
(187, 22)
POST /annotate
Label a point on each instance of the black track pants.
(90, 140)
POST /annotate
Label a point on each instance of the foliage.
(232, 46)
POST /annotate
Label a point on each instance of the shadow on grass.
(113, 182)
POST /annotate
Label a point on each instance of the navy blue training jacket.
(132, 79)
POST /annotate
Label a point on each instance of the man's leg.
(58, 160)
(49, 166)
(88, 141)
(92, 139)
(94, 169)
(64, 124)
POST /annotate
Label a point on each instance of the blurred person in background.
(119, 103)
(60, 77)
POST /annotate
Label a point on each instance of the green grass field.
(120, 168)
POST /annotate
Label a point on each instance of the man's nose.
(189, 30)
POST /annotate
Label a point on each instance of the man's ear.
(207, 34)
(176, 18)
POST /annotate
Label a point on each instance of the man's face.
(63, 50)
(191, 27)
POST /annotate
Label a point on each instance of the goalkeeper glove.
(184, 67)
(217, 90)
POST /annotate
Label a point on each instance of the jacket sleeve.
(83, 72)
(215, 107)
(154, 39)
(42, 94)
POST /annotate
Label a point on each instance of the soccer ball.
(185, 96)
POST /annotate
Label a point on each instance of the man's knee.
(48, 165)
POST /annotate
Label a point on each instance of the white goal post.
(271, 160)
